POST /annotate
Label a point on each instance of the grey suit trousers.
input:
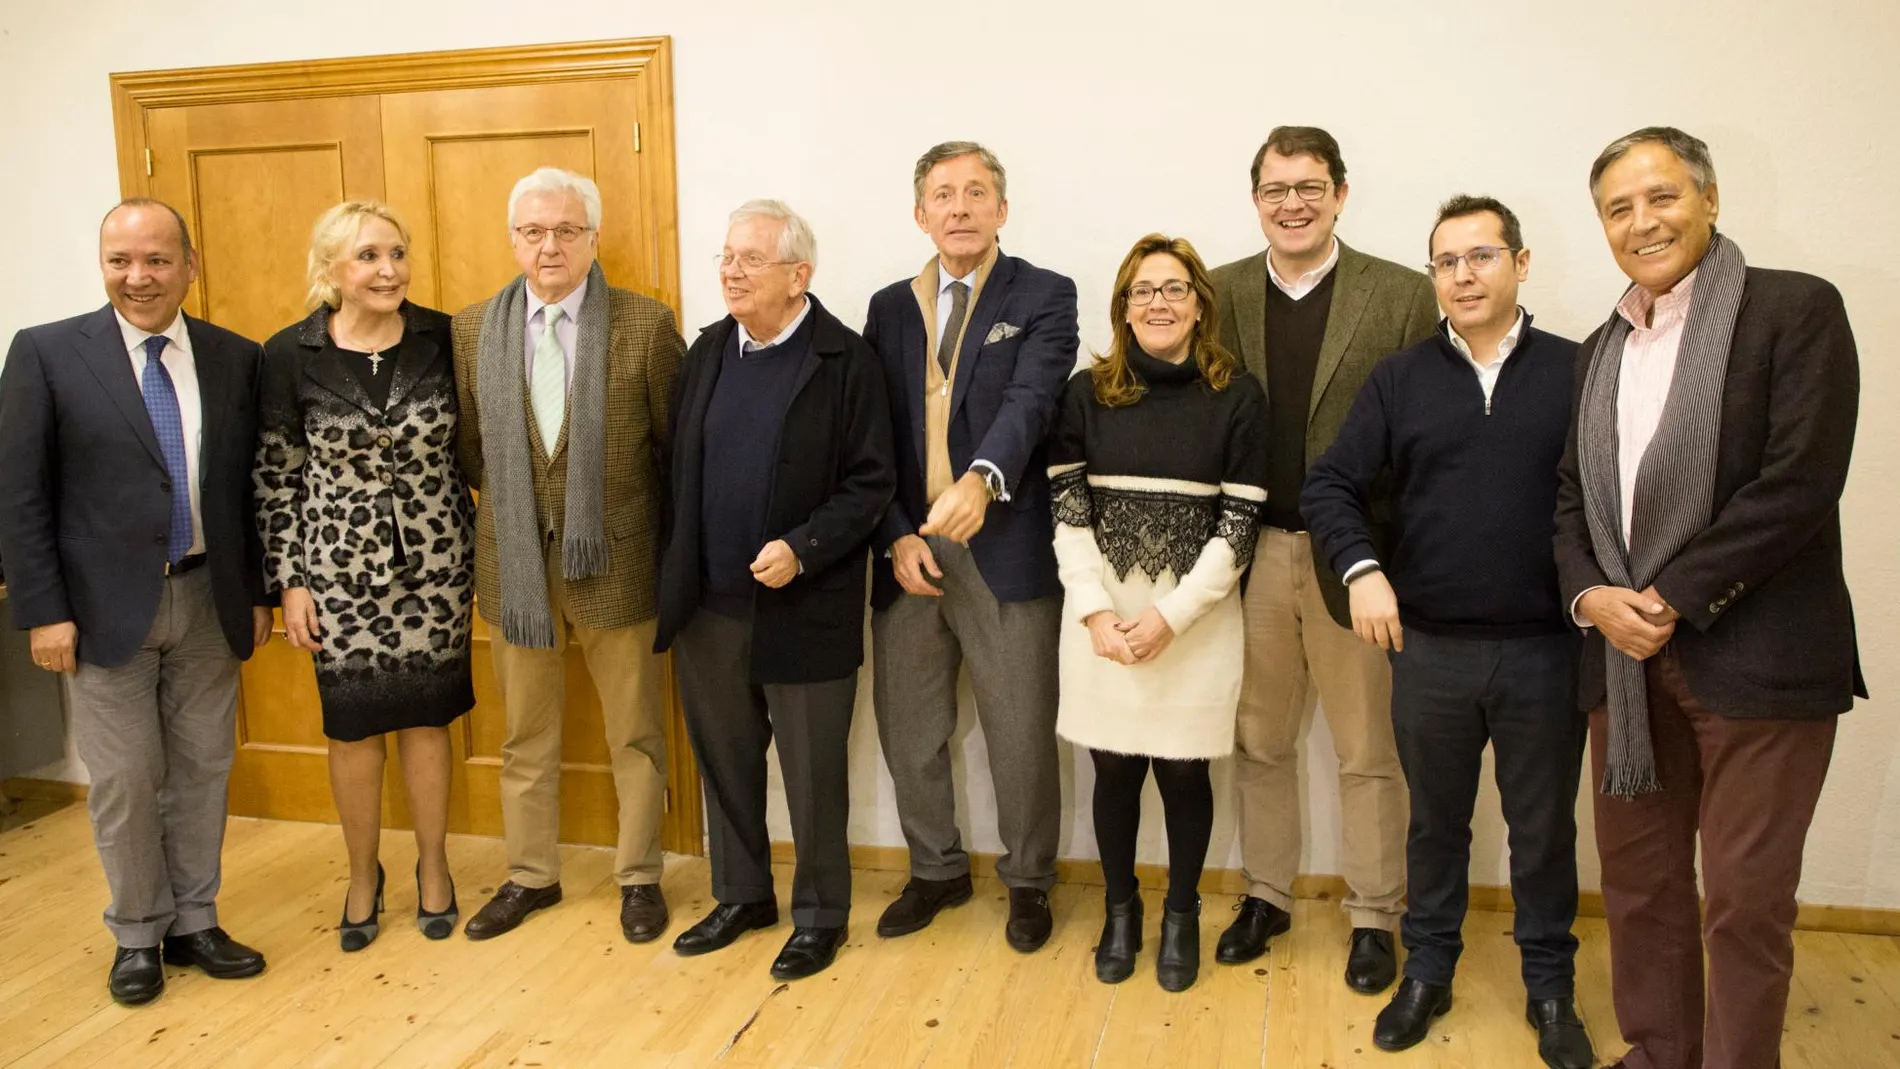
(917, 646)
(731, 722)
(158, 735)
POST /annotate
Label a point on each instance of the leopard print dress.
(361, 502)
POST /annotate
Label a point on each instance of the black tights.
(1187, 804)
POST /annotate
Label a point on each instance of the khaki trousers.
(627, 676)
(1291, 640)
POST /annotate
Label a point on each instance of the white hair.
(796, 243)
(558, 182)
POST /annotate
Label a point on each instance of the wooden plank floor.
(566, 990)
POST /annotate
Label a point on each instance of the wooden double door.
(252, 155)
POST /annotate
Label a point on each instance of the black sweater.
(1474, 491)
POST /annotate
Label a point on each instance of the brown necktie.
(947, 345)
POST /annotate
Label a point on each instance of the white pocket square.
(1001, 331)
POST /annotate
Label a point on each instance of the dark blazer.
(1003, 404)
(338, 478)
(85, 497)
(833, 481)
(1379, 307)
(1767, 629)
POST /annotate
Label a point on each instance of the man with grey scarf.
(563, 383)
(1699, 542)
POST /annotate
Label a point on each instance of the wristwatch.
(992, 481)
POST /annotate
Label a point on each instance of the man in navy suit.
(127, 525)
(976, 350)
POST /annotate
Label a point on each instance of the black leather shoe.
(1246, 938)
(807, 952)
(216, 953)
(1408, 1017)
(1179, 960)
(136, 977)
(1029, 921)
(918, 905)
(643, 915)
(1373, 964)
(718, 929)
(1120, 942)
(1562, 1041)
(510, 906)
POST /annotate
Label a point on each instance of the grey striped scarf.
(508, 472)
(1675, 487)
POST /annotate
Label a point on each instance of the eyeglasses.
(1174, 291)
(751, 262)
(1481, 258)
(566, 233)
(1275, 192)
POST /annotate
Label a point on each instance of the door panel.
(251, 179)
(452, 157)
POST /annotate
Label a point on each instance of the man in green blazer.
(1310, 317)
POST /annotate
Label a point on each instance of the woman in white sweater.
(1157, 466)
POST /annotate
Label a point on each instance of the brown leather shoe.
(643, 913)
(510, 906)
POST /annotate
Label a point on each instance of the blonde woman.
(367, 525)
(1158, 469)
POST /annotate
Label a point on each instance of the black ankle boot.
(1179, 960)
(1121, 941)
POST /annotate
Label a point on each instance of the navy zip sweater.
(1474, 486)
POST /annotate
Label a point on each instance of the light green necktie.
(547, 388)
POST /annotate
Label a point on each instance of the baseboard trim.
(49, 790)
(1851, 920)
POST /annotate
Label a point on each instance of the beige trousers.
(627, 676)
(1291, 640)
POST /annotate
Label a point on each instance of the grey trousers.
(917, 645)
(158, 735)
(731, 722)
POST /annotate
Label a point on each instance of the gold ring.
(46, 664)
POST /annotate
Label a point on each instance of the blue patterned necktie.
(161, 401)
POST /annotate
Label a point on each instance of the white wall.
(1118, 118)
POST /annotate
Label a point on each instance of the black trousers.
(1449, 697)
(731, 722)
(1187, 807)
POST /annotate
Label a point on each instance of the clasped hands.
(1638, 624)
(1134, 641)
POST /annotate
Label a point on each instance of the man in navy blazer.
(132, 550)
(976, 350)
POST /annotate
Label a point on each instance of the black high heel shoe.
(436, 925)
(355, 935)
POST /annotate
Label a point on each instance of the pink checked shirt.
(1642, 387)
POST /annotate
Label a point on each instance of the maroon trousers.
(1749, 787)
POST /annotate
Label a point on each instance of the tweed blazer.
(643, 358)
(1379, 307)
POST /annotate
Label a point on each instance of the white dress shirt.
(944, 302)
(1306, 283)
(183, 368)
(567, 331)
(747, 342)
(1488, 373)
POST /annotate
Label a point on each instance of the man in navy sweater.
(1469, 426)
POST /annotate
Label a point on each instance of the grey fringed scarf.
(508, 464)
(1675, 488)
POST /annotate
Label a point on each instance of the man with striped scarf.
(1699, 542)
